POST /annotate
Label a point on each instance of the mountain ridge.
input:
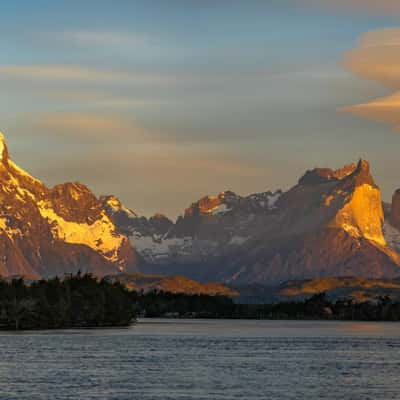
(331, 223)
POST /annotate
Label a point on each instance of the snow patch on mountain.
(100, 235)
(220, 209)
(164, 249)
(154, 249)
(266, 200)
(238, 240)
(273, 198)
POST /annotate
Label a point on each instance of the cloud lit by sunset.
(377, 58)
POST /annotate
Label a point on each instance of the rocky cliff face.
(329, 224)
(44, 232)
(360, 213)
(394, 217)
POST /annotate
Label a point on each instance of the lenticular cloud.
(377, 58)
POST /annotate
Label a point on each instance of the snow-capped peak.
(52, 231)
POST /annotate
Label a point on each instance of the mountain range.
(331, 223)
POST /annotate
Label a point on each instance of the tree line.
(83, 300)
(318, 306)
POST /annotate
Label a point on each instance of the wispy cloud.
(99, 98)
(88, 127)
(374, 7)
(83, 74)
(377, 58)
(106, 38)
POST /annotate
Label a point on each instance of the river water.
(205, 359)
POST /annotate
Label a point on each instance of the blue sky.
(162, 102)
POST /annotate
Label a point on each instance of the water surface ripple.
(205, 359)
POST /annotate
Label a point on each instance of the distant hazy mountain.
(359, 289)
(171, 284)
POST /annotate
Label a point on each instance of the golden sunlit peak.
(3, 147)
(363, 165)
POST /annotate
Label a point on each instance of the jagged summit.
(323, 175)
(363, 165)
(352, 173)
(229, 203)
(3, 148)
(362, 174)
(12, 173)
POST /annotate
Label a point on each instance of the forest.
(74, 301)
